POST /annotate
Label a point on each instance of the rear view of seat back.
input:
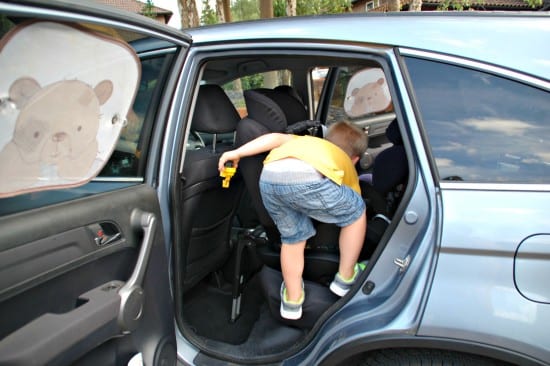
(389, 177)
(277, 111)
(268, 111)
(208, 208)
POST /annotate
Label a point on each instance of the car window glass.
(234, 90)
(317, 77)
(125, 160)
(482, 127)
(64, 102)
(131, 120)
(336, 104)
(367, 93)
(358, 94)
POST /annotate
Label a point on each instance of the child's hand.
(229, 156)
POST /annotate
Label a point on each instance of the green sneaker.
(291, 309)
(341, 286)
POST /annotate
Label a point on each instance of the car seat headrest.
(393, 134)
(214, 112)
(274, 109)
(287, 89)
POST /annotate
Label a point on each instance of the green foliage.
(453, 5)
(318, 7)
(249, 9)
(534, 3)
(245, 10)
(314, 7)
(5, 25)
(466, 4)
(208, 15)
(147, 9)
(279, 8)
(252, 81)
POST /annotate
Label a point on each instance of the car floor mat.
(318, 298)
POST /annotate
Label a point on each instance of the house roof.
(500, 4)
(135, 6)
(480, 4)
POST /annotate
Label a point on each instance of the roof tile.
(134, 6)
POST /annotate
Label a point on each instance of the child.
(304, 178)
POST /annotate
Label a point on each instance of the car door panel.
(60, 292)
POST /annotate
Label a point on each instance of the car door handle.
(131, 293)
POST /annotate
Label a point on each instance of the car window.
(127, 158)
(358, 94)
(317, 77)
(482, 127)
(131, 120)
(234, 90)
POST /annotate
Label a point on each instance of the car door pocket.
(92, 321)
(41, 257)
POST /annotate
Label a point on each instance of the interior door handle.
(131, 294)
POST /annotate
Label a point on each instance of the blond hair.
(349, 137)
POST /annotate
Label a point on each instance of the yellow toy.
(227, 173)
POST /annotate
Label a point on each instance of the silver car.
(121, 244)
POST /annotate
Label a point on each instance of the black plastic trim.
(360, 346)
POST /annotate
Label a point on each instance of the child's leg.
(351, 241)
(292, 265)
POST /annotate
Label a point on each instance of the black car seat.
(269, 111)
(208, 208)
(389, 179)
(279, 111)
(290, 91)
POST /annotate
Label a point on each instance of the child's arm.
(258, 145)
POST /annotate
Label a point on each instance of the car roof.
(516, 40)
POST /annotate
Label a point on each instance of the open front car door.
(83, 264)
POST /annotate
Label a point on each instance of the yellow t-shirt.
(323, 155)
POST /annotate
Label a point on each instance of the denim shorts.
(293, 205)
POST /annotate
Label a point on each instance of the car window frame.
(103, 184)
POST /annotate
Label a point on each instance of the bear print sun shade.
(65, 93)
(367, 93)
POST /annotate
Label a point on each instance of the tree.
(245, 10)
(208, 15)
(266, 9)
(394, 5)
(227, 10)
(415, 5)
(534, 3)
(189, 14)
(147, 9)
(291, 8)
(220, 13)
(318, 7)
(310, 7)
(466, 4)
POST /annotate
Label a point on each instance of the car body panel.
(453, 33)
(485, 288)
